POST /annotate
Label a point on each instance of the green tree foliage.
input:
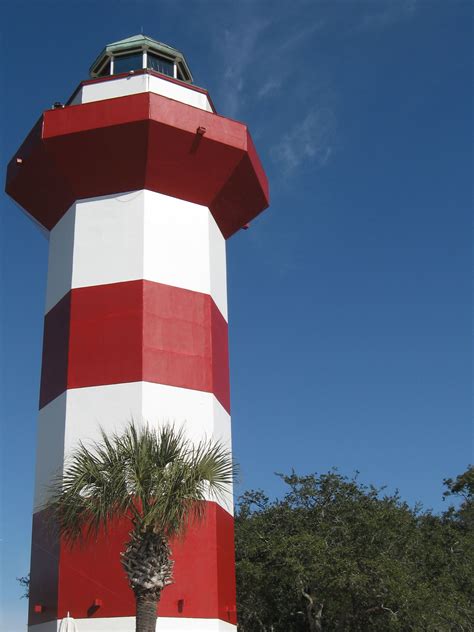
(335, 555)
(25, 585)
(159, 480)
(463, 487)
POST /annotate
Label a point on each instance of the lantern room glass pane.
(160, 64)
(125, 63)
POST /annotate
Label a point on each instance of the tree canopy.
(334, 554)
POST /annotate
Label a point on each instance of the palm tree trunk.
(145, 613)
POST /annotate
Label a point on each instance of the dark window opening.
(183, 74)
(160, 64)
(105, 70)
(126, 63)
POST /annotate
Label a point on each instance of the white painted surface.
(60, 258)
(127, 624)
(49, 447)
(137, 235)
(184, 247)
(217, 266)
(108, 240)
(136, 84)
(199, 413)
(79, 413)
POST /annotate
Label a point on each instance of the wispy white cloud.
(271, 85)
(278, 62)
(310, 140)
(238, 49)
(259, 57)
(250, 51)
(387, 13)
(300, 36)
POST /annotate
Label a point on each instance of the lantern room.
(140, 52)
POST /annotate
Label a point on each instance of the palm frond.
(157, 478)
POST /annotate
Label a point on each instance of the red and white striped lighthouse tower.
(138, 183)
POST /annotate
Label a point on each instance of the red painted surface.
(135, 142)
(34, 177)
(135, 331)
(204, 574)
(54, 368)
(241, 191)
(44, 570)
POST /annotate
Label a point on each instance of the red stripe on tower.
(131, 332)
(204, 564)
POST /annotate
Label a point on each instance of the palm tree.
(156, 478)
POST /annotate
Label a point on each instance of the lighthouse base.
(88, 581)
(127, 624)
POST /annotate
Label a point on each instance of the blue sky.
(350, 321)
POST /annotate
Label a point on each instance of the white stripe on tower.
(137, 235)
(122, 87)
(77, 415)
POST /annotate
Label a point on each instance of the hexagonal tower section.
(137, 182)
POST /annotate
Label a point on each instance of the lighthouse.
(138, 183)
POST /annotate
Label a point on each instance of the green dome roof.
(141, 42)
